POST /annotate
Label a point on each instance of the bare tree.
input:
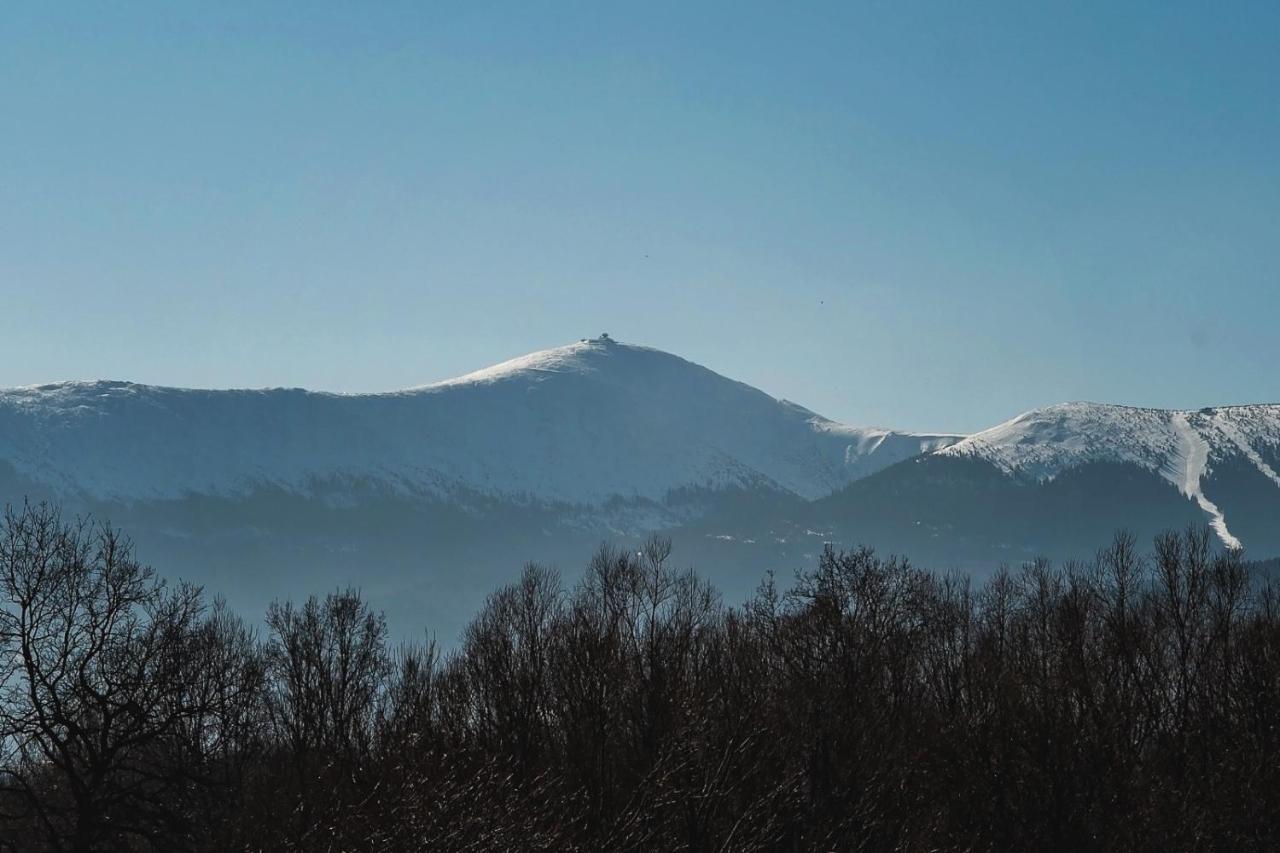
(327, 665)
(106, 708)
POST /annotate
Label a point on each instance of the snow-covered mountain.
(430, 496)
(578, 424)
(1059, 481)
(1186, 448)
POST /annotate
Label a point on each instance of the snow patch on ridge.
(565, 359)
(1042, 443)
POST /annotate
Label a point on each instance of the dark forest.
(1126, 703)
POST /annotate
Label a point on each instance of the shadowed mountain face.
(965, 512)
(428, 497)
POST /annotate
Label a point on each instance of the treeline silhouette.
(1129, 703)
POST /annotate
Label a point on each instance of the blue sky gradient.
(921, 216)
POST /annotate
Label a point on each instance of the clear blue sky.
(920, 216)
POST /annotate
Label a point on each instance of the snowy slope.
(579, 423)
(1182, 447)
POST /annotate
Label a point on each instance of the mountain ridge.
(579, 423)
(1182, 446)
(430, 495)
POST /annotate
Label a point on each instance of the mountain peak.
(580, 423)
(582, 356)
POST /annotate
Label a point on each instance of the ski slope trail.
(1196, 451)
(1195, 454)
